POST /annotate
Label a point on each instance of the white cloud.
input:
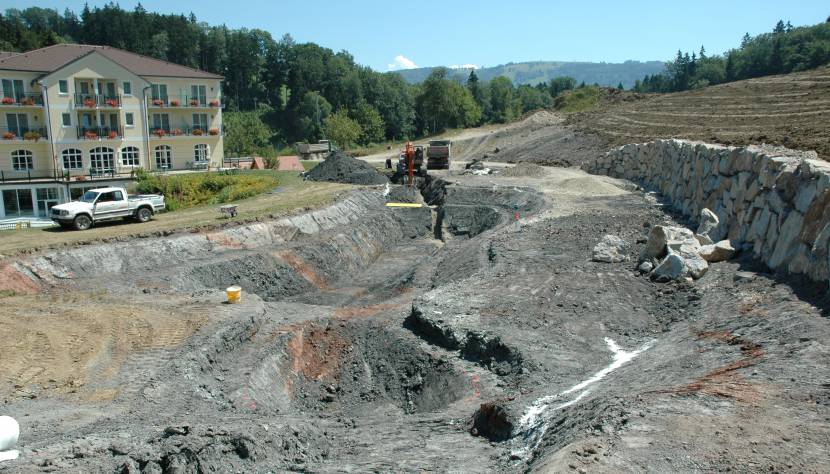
(464, 66)
(402, 62)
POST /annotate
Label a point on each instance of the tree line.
(278, 91)
(786, 49)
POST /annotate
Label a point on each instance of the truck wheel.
(143, 215)
(82, 222)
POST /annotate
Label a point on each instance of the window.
(201, 152)
(66, 120)
(161, 122)
(163, 157)
(129, 120)
(18, 202)
(200, 122)
(102, 159)
(13, 88)
(22, 160)
(128, 88)
(63, 86)
(129, 156)
(17, 124)
(72, 159)
(199, 93)
(46, 198)
(159, 92)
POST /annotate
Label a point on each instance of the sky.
(389, 35)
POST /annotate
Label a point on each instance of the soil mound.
(523, 169)
(342, 168)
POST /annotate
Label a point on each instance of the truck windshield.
(89, 196)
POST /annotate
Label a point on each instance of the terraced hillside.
(791, 110)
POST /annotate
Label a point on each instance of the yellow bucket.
(234, 294)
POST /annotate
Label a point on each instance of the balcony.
(29, 99)
(23, 133)
(184, 102)
(97, 101)
(184, 132)
(100, 133)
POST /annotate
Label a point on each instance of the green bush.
(578, 100)
(188, 190)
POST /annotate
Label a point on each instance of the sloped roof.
(52, 58)
(6, 54)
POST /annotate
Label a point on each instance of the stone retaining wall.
(771, 200)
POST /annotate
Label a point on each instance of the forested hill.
(536, 72)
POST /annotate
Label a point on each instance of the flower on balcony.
(32, 135)
(159, 132)
(8, 100)
(158, 102)
(174, 103)
(197, 131)
(89, 103)
(90, 135)
(9, 136)
(112, 102)
(215, 103)
(27, 101)
(194, 103)
(176, 131)
(214, 131)
(112, 135)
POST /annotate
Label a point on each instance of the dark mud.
(342, 168)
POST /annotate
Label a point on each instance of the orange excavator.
(410, 162)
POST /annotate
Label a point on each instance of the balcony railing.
(29, 175)
(29, 99)
(94, 101)
(100, 133)
(23, 133)
(184, 102)
(156, 132)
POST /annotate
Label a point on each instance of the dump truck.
(104, 204)
(314, 151)
(438, 154)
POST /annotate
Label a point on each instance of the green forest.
(278, 91)
(786, 49)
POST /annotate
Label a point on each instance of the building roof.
(52, 58)
(6, 54)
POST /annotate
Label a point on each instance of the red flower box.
(89, 103)
(159, 132)
(176, 132)
(9, 136)
(112, 102)
(8, 100)
(194, 103)
(112, 135)
(213, 131)
(27, 101)
(158, 102)
(174, 103)
(90, 135)
(215, 103)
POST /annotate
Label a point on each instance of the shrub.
(578, 100)
(188, 190)
(197, 131)
(174, 103)
(176, 132)
(32, 136)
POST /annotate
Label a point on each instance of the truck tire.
(143, 214)
(82, 222)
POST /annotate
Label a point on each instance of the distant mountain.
(605, 74)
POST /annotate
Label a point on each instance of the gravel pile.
(523, 169)
(342, 168)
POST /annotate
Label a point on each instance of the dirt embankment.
(791, 110)
(342, 168)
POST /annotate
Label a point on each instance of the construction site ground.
(471, 335)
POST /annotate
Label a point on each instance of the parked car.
(102, 204)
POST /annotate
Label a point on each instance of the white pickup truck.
(103, 204)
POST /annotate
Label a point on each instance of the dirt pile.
(342, 168)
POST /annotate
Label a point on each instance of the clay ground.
(372, 344)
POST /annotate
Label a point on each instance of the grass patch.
(182, 191)
(7, 293)
(579, 100)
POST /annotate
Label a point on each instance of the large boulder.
(718, 252)
(672, 267)
(708, 223)
(611, 249)
(661, 236)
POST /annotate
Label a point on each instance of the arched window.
(102, 158)
(129, 156)
(164, 157)
(201, 152)
(22, 160)
(73, 159)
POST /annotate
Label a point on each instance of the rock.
(708, 222)
(703, 239)
(697, 266)
(745, 276)
(718, 252)
(672, 268)
(659, 238)
(646, 267)
(493, 421)
(611, 249)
